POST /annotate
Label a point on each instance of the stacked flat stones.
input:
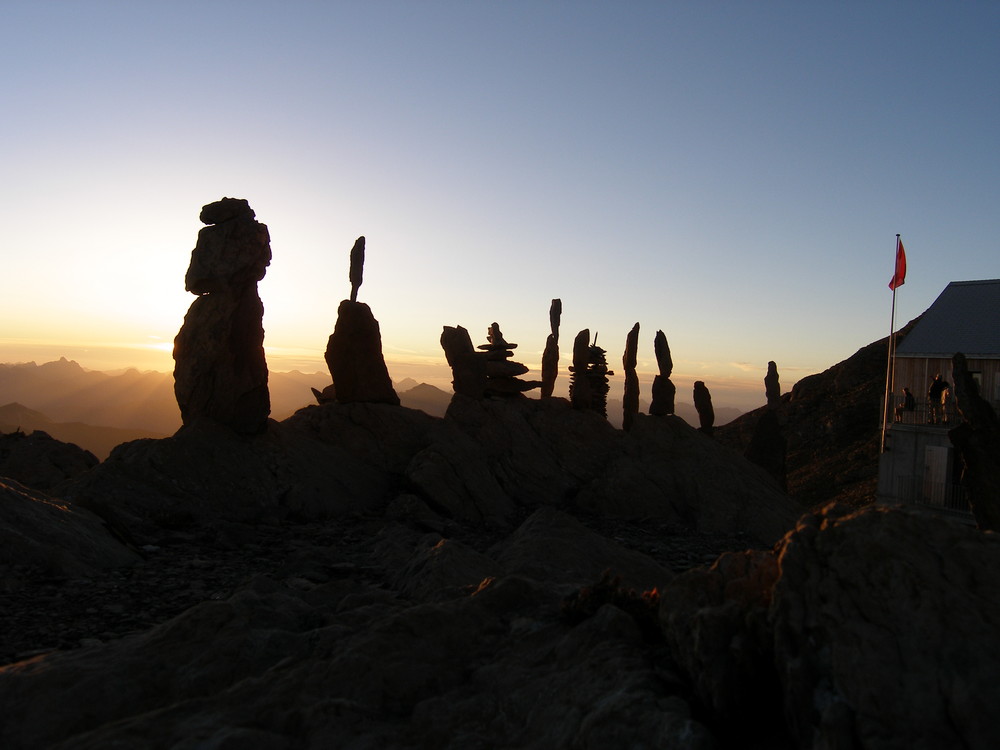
(588, 387)
(501, 371)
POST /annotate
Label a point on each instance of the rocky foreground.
(518, 574)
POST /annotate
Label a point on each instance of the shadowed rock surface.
(768, 446)
(862, 629)
(978, 442)
(55, 538)
(365, 575)
(220, 372)
(41, 462)
(468, 369)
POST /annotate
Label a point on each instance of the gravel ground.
(39, 613)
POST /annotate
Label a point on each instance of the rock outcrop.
(663, 390)
(220, 372)
(41, 462)
(978, 442)
(630, 400)
(550, 356)
(855, 632)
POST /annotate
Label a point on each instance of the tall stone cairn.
(354, 349)
(220, 372)
(768, 446)
(663, 391)
(703, 404)
(630, 401)
(977, 438)
(550, 357)
(588, 388)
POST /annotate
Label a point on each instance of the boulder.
(354, 356)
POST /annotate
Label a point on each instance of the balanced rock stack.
(220, 372)
(501, 370)
(588, 387)
(703, 403)
(354, 350)
(550, 357)
(663, 391)
(630, 400)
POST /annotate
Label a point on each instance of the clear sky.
(733, 173)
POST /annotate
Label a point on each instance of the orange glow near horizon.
(731, 384)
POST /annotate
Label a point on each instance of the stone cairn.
(663, 391)
(768, 447)
(550, 357)
(703, 403)
(489, 372)
(630, 401)
(354, 350)
(772, 388)
(588, 387)
(220, 372)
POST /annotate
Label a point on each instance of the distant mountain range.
(98, 410)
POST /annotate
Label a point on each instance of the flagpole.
(890, 358)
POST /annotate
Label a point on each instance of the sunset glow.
(734, 174)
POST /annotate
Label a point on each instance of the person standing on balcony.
(935, 400)
(907, 404)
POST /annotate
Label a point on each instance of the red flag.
(899, 278)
